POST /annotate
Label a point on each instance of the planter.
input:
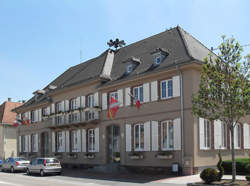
(164, 157)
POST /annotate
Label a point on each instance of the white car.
(44, 166)
(15, 164)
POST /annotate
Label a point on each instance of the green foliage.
(242, 166)
(209, 175)
(220, 168)
(248, 178)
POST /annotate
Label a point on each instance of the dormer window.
(158, 55)
(158, 59)
(130, 68)
(132, 63)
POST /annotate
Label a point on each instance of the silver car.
(15, 164)
(44, 166)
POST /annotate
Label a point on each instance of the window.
(73, 104)
(74, 117)
(90, 100)
(166, 89)
(223, 135)
(114, 95)
(58, 107)
(33, 143)
(59, 120)
(91, 140)
(238, 136)
(139, 137)
(207, 134)
(32, 116)
(59, 141)
(167, 133)
(138, 94)
(157, 59)
(74, 141)
(130, 68)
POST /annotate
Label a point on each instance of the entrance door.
(44, 144)
(113, 134)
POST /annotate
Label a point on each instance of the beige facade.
(162, 132)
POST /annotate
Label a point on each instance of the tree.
(224, 90)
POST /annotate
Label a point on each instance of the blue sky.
(40, 39)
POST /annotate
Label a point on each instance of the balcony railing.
(71, 118)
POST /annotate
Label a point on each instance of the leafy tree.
(224, 90)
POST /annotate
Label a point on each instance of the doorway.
(113, 134)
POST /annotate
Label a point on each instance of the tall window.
(59, 120)
(74, 117)
(238, 136)
(91, 140)
(139, 137)
(90, 103)
(114, 95)
(223, 135)
(207, 133)
(58, 107)
(74, 141)
(32, 116)
(167, 133)
(166, 89)
(73, 104)
(59, 141)
(138, 94)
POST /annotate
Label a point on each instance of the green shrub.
(209, 175)
(247, 167)
(240, 166)
(220, 168)
(248, 178)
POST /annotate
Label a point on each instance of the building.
(69, 116)
(8, 136)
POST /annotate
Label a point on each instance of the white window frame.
(141, 138)
(33, 145)
(130, 68)
(59, 141)
(114, 95)
(223, 135)
(73, 104)
(167, 93)
(156, 58)
(59, 119)
(169, 137)
(74, 117)
(74, 141)
(32, 116)
(207, 134)
(140, 89)
(91, 140)
(59, 107)
(91, 101)
(238, 136)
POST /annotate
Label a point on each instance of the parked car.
(13, 164)
(44, 166)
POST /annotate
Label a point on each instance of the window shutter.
(20, 143)
(36, 143)
(155, 136)
(83, 102)
(63, 104)
(176, 86)
(146, 92)
(67, 140)
(29, 115)
(26, 143)
(147, 136)
(78, 134)
(245, 135)
(29, 142)
(66, 107)
(154, 91)
(217, 134)
(201, 131)
(235, 136)
(104, 101)
(96, 139)
(40, 115)
(52, 108)
(127, 97)
(96, 99)
(78, 102)
(35, 115)
(84, 140)
(128, 137)
(120, 97)
(63, 141)
(53, 142)
(177, 134)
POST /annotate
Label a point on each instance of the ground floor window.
(74, 141)
(167, 133)
(238, 136)
(139, 137)
(207, 134)
(91, 140)
(223, 135)
(59, 142)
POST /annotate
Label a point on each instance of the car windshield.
(52, 161)
(20, 159)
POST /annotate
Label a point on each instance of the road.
(21, 179)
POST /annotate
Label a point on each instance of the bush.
(248, 178)
(220, 168)
(240, 166)
(209, 175)
(247, 167)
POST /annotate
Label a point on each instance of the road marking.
(8, 183)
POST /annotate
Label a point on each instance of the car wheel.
(42, 173)
(28, 172)
(12, 169)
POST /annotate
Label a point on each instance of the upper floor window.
(138, 94)
(167, 132)
(32, 116)
(58, 107)
(130, 68)
(91, 140)
(158, 59)
(166, 89)
(73, 104)
(114, 95)
(90, 100)
(139, 137)
(74, 117)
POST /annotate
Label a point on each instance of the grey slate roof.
(182, 47)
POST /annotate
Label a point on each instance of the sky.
(40, 39)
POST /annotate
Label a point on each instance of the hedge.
(241, 166)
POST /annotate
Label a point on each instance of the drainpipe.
(182, 116)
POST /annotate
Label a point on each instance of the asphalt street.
(21, 179)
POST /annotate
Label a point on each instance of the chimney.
(9, 99)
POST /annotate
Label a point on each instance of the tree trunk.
(233, 155)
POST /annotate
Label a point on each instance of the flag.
(25, 121)
(113, 107)
(17, 123)
(137, 102)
